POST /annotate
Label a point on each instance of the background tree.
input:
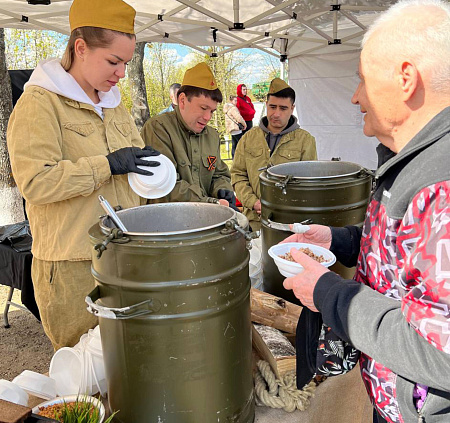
(139, 107)
(11, 206)
(26, 48)
(161, 71)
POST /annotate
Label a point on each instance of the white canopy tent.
(320, 41)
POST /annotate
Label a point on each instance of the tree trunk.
(11, 205)
(139, 109)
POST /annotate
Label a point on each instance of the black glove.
(225, 194)
(126, 160)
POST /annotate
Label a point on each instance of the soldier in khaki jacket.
(194, 147)
(70, 140)
(278, 139)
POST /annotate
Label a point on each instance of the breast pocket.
(124, 128)
(183, 169)
(289, 155)
(78, 140)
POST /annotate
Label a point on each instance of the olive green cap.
(200, 76)
(277, 85)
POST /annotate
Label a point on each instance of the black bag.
(320, 351)
(240, 126)
(17, 235)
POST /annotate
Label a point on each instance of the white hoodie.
(49, 74)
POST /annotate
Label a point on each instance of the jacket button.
(183, 162)
(195, 150)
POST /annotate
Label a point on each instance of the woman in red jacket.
(245, 106)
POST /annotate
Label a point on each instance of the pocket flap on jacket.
(289, 154)
(255, 152)
(123, 127)
(84, 128)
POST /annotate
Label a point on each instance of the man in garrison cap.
(194, 147)
(278, 139)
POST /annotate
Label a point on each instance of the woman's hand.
(127, 159)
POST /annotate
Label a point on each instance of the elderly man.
(193, 146)
(397, 310)
(278, 139)
(173, 94)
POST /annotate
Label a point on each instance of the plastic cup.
(66, 368)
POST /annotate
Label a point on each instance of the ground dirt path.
(24, 345)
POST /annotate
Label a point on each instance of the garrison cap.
(200, 76)
(277, 85)
(108, 14)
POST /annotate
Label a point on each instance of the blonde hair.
(94, 38)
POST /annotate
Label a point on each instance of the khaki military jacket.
(58, 151)
(200, 170)
(252, 153)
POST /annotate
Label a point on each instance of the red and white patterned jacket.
(404, 255)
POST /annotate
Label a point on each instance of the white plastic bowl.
(36, 384)
(73, 398)
(11, 392)
(159, 184)
(290, 268)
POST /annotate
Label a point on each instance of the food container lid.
(36, 384)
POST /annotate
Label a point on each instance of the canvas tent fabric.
(324, 85)
(290, 27)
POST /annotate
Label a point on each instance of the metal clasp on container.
(114, 234)
(232, 224)
(137, 310)
(283, 184)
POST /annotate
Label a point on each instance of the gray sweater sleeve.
(375, 324)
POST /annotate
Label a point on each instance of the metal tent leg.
(7, 305)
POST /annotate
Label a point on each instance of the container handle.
(137, 310)
(283, 184)
(232, 224)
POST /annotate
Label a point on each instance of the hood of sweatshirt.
(291, 126)
(239, 91)
(50, 75)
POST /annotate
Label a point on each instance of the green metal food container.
(330, 193)
(172, 296)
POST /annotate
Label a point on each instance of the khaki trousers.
(60, 288)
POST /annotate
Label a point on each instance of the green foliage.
(26, 48)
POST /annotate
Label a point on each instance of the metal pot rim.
(358, 168)
(106, 228)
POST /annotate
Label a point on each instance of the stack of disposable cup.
(80, 370)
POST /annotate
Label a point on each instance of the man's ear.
(182, 99)
(80, 48)
(409, 79)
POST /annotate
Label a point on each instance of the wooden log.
(273, 311)
(272, 346)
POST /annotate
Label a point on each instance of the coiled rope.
(281, 393)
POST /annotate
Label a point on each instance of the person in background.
(194, 147)
(278, 139)
(245, 106)
(70, 139)
(396, 311)
(173, 93)
(234, 122)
